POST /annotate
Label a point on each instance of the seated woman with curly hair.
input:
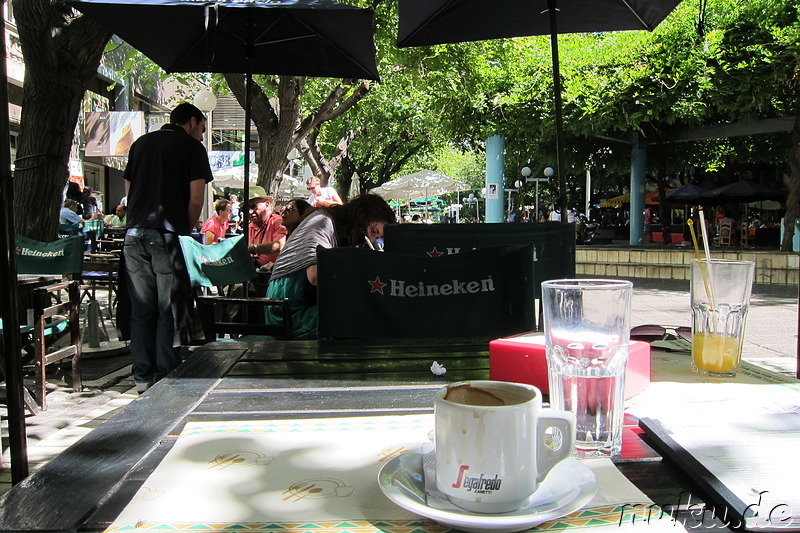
(294, 275)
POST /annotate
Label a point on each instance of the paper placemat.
(313, 475)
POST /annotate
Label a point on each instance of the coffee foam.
(466, 394)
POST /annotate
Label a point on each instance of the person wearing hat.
(321, 196)
(266, 232)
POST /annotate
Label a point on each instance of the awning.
(619, 201)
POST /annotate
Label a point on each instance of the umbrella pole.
(562, 173)
(248, 82)
(247, 103)
(11, 346)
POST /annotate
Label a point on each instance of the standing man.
(266, 232)
(321, 196)
(165, 186)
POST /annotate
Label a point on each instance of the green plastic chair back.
(554, 243)
(212, 265)
(63, 256)
(477, 293)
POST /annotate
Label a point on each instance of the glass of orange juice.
(720, 293)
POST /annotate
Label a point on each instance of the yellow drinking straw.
(703, 269)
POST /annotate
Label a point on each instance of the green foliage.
(435, 106)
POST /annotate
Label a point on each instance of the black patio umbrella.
(292, 37)
(742, 192)
(426, 22)
(687, 194)
(318, 38)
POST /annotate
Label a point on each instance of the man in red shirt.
(267, 235)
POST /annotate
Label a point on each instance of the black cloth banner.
(554, 243)
(486, 293)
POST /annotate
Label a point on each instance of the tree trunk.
(278, 121)
(793, 201)
(275, 126)
(61, 59)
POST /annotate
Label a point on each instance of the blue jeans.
(151, 281)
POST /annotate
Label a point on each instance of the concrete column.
(638, 178)
(495, 158)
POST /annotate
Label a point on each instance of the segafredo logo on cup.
(403, 289)
(478, 485)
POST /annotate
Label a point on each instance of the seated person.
(294, 275)
(215, 227)
(92, 209)
(321, 196)
(294, 213)
(69, 213)
(266, 232)
(118, 219)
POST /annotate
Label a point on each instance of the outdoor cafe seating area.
(262, 435)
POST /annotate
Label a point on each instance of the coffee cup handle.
(547, 457)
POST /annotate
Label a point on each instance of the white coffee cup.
(495, 443)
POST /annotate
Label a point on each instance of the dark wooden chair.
(725, 233)
(100, 272)
(56, 312)
(226, 268)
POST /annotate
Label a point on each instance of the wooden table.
(85, 487)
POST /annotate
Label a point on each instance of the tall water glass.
(587, 331)
(720, 292)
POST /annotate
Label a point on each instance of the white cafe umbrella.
(422, 183)
(233, 177)
(355, 186)
(288, 187)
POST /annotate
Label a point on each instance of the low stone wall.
(772, 267)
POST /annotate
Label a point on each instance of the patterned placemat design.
(203, 454)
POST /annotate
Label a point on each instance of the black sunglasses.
(651, 332)
(253, 207)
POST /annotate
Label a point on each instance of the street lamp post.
(519, 184)
(548, 173)
(526, 173)
(206, 101)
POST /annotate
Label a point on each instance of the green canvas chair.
(227, 264)
(554, 244)
(485, 293)
(56, 309)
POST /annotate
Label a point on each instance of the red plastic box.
(522, 359)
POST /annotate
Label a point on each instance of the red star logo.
(377, 285)
(435, 253)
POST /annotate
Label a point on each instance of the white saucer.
(570, 486)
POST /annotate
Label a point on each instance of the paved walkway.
(771, 330)
(770, 342)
